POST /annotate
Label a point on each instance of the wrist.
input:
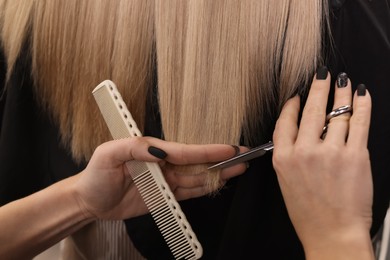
(348, 243)
(43, 218)
(78, 202)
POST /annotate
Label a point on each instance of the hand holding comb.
(148, 178)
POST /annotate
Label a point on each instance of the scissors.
(246, 156)
(264, 148)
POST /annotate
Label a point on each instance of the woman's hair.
(223, 67)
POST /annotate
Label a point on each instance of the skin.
(327, 184)
(103, 190)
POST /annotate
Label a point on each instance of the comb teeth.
(148, 178)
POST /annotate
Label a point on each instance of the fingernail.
(157, 152)
(361, 90)
(322, 73)
(236, 149)
(342, 80)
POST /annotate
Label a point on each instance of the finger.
(191, 180)
(116, 152)
(184, 180)
(313, 116)
(184, 193)
(136, 148)
(184, 154)
(286, 128)
(338, 126)
(360, 120)
(233, 171)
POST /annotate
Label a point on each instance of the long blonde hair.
(222, 66)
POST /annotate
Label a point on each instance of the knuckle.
(333, 152)
(306, 154)
(314, 111)
(344, 118)
(281, 158)
(360, 117)
(278, 159)
(135, 141)
(183, 156)
(303, 151)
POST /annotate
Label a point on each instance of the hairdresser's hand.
(105, 190)
(195, 181)
(327, 184)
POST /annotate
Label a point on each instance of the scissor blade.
(243, 157)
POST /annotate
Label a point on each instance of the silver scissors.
(246, 156)
(264, 148)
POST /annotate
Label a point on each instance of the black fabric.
(31, 156)
(249, 217)
(3, 65)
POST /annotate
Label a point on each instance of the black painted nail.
(322, 73)
(361, 90)
(342, 80)
(236, 149)
(157, 152)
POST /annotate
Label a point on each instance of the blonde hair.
(223, 66)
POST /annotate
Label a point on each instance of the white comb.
(148, 178)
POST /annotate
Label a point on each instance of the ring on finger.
(334, 113)
(338, 111)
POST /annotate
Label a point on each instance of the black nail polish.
(236, 149)
(322, 73)
(157, 152)
(361, 90)
(342, 80)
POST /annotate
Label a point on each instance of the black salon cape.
(248, 219)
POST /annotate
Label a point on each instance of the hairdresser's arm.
(102, 191)
(327, 184)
